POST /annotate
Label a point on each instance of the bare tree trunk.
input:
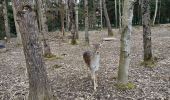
(67, 17)
(7, 28)
(110, 33)
(120, 15)
(62, 11)
(19, 41)
(77, 19)
(160, 5)
(101, 14)
(147, 44)
(94, 15)
(156, 10)
(72, 21)
(115, 13)
(124, 60)
(86, 21)
(39, 88)
(43, 27)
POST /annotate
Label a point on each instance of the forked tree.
(124, 60)
(39, 88)
(110, 33)
(62, 16)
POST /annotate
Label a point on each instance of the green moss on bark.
(127, 86)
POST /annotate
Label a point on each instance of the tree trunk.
(72, 21)
(156, 10)
(125, 41)
(110, 33)
(77, 19)
(7, 28)
(146, 30)
(39, 88)
(120, 15)
(62, 11)
(101, 14)
(86, 21)
(115, 13)
(19, 41)
(160, 5)
(43, 27)
(67, 17)
(94, 15)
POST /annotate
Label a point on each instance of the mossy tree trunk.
(86, 21)
(147, 44)
(39, 88)
(71, 5)
(6, 21)
(124, 60)
(110, 33)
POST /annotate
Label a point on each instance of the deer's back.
(87, 57)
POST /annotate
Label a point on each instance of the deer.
(92, 60)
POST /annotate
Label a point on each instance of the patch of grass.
(150, 63)
(56, 66)
(127, 86)
(49, 56)
(74, 42)
(52, 57)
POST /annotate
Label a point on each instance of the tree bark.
(94, 15)
(86, 21)
(77, 20)
(19, 41)
(120, 15)
(147, 44)
(125, 41)
(39, 88)
(101, 14)
(110, 33)
(6, 22)
(155, 14)
(62, 11)
(115, 13)
(43, 27)
(67, 17)
(160, 5)
(71, 4)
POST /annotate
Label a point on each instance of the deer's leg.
(94, 80)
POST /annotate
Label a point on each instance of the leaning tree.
(39, 88)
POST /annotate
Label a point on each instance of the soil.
(70, 78)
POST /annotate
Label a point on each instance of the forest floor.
(70, 78)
